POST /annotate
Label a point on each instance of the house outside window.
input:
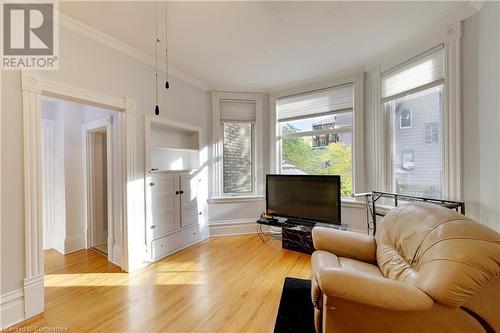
(405, 119)
(408, 160)
(432, 133)
(238, 174)
(315, 134)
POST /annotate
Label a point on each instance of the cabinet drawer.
(164, 246)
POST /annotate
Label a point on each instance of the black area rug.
(296, 312)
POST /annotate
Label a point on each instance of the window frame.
(357, 80)
(217, 187)
(451, 39)
(253, 170)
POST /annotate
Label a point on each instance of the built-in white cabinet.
(173, 213)
(165, 204)
(175, 209)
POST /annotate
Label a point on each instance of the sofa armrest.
(350, 244)
(371, 290)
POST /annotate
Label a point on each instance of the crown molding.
(100, 37)
(477, 5)
(318, 82)
(446, 29)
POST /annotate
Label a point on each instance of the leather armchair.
(428, 269)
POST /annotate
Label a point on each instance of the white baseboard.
(73, 243)
(11, 308)
(21, 304)
(33, 296)
(116, 257)
(232, 227)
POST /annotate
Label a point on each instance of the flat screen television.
(304, 197)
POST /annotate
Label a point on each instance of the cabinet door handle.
(182, 192)
(176, 192)
(200, 213)
(151, 184)
(152, 227)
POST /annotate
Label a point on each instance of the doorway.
(97, 154)
(81, 159)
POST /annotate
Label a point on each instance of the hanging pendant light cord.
(167, 85)
(157, 108)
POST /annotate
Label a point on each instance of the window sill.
(236, 199)
(351, 202)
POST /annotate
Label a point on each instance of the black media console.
(294, 236)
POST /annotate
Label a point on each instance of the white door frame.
(87, 129)
(33, 88)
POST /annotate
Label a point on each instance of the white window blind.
(421, 72)
(315, 103)
(237, 111)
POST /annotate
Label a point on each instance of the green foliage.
(334, 159)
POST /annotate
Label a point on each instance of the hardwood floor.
(224, 284)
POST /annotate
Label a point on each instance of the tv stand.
(297, 238)
(295, 234)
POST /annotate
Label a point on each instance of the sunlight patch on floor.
(121, 279)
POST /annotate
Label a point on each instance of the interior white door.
(164, 208)
(189, 200)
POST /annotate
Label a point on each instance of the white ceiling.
(264, 44)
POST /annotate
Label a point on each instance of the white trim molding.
(33, 195)
(33, 296)
(452, 112)
(216, 200)
(258, 156)
(11, 308)
(87, 128)
(232, 227)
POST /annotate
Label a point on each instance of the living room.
(142, 141)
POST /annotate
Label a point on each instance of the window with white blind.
(412, 97)
(237, 144)
(315, 133)
(237, 120)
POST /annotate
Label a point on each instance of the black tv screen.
(314, 198)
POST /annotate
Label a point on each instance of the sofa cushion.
(360, 266)
(442, 252)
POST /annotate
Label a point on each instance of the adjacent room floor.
(224, 284)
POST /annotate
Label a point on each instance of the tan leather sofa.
(428, 269)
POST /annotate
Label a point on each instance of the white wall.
(73, 175)
(489, 113)
(52, 110)
(12, 219)
(481, 119)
